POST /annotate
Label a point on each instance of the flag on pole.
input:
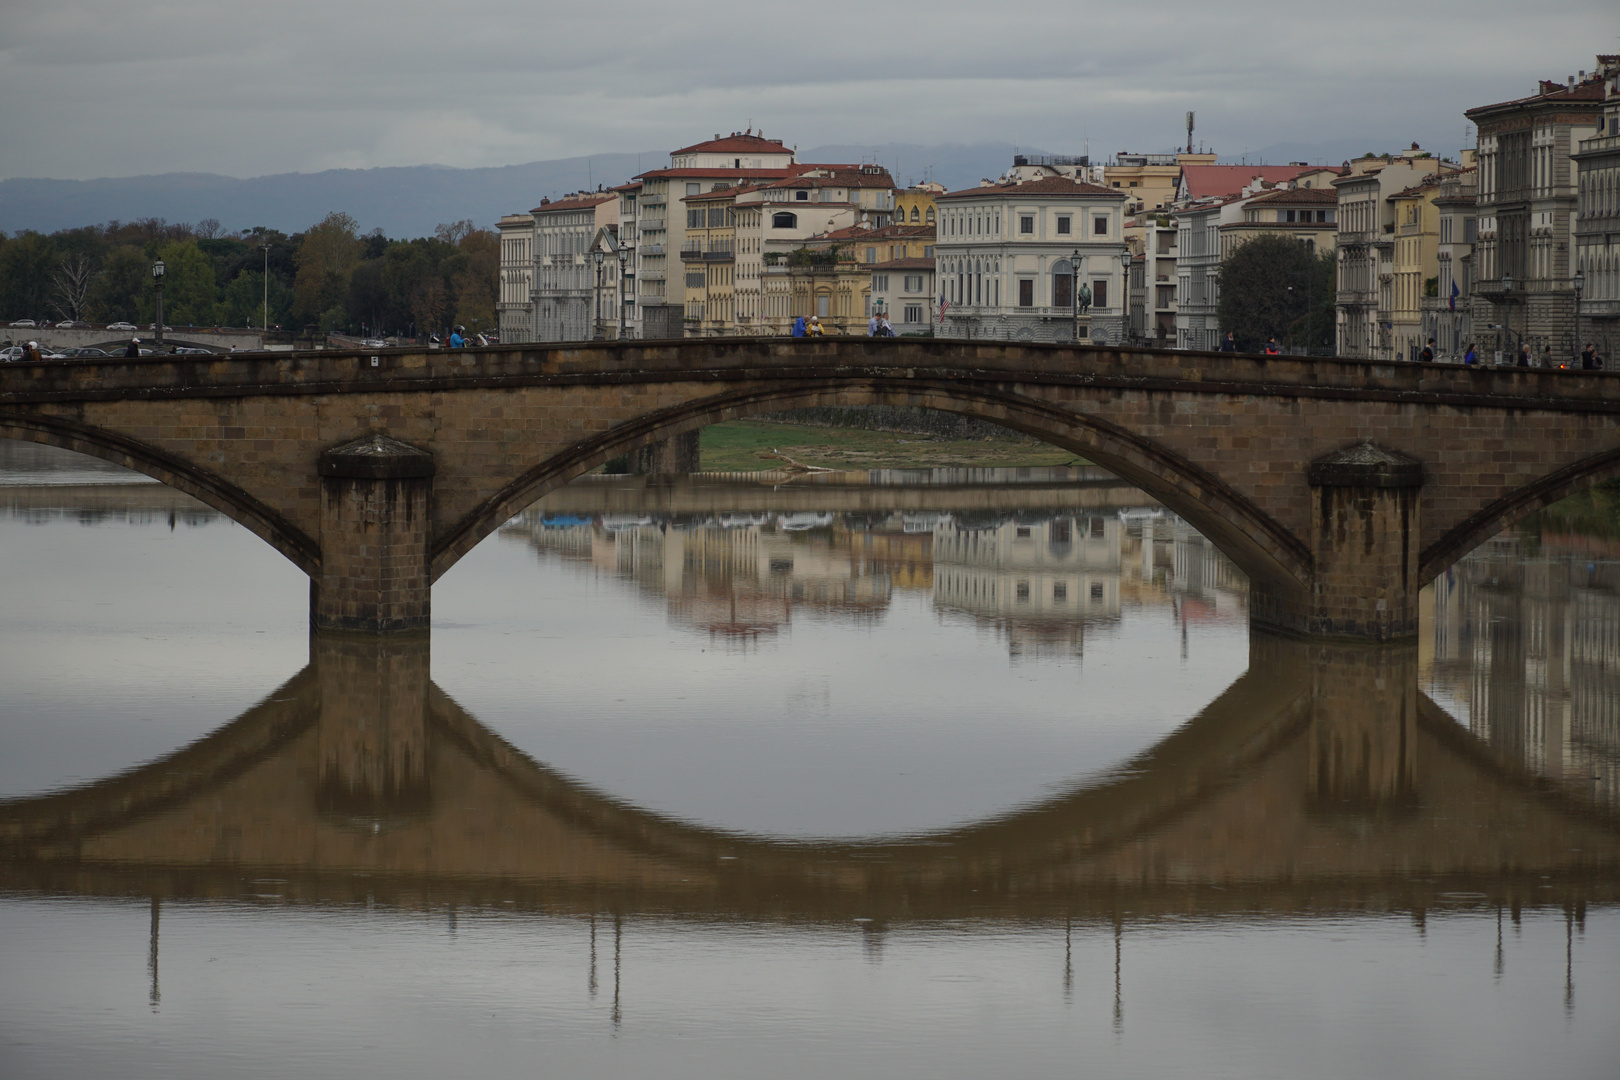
(1453, 300)
(943, 304)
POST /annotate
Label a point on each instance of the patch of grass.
(736, 446)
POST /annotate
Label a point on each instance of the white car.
(374, 343)
(25, 322)
(153, 326)
(120, 326)
(11, 353)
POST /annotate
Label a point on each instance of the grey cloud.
(100, 88)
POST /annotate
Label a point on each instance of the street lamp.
(266, 249)
(624, 259)
(1580, 287)
(158, 270)
(1074, 291)
(596, 318)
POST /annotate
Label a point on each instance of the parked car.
(374, 343)
(121, 326)
(84, 351)
(25, 322)
(69, 324)
(153, 326)
(187, 351)
(11, 353)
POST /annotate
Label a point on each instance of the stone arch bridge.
(1338, 486)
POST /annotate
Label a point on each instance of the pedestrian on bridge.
(1589, 358)
(1469, 357)
(1427, 355)
(798, 327)
(1228, 343)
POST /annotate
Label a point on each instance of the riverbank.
(743, 445)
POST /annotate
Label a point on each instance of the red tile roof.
(722, 174)
(1304, 196)
(842, 176)
(887, 232)
(1050, 185)
(1589, 91)
(547, 207)
(1204, 181)
(735, 144)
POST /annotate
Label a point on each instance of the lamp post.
(624, 260)
(1580, 287)
(1129, 332)
(158, 270)
(265, 328)
(1074, 291)
(596, 318)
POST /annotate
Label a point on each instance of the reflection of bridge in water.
(1320, 780)
(1037, 557)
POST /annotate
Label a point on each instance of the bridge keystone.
(376, 495)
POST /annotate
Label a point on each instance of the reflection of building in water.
(1037, 577)
(1526, 652)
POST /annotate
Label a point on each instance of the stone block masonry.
(375, 498)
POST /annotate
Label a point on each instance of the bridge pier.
(374, 576)
(1364, 546)
(676, 455)
(373, 734)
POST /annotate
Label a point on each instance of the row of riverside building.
(1516, 244)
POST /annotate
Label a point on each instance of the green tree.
(28, 263)
(326, 258)
(1276, 286)
(190, 296)
(242, 301)
(124, 283)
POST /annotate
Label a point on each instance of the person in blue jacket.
(798, 327)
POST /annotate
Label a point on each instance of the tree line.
(329, 276)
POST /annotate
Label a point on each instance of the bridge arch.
(200, 484)
(1539, 494)
(1260, 546)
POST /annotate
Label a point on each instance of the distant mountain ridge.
(408, 201)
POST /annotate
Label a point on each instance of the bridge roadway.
(1322, 780)
(1337, 486)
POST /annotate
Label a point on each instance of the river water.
(943, 772)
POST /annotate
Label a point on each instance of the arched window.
(784, 220)
(1062, 284)
(930, 215)
(913, 213)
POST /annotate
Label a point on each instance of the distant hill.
(410, 201)
(402, 202)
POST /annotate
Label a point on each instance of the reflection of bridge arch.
(1313, 772)
(1262, 547)
(201, 484)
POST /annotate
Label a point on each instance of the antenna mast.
(1189, 132)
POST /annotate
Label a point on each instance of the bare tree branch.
(70, 286)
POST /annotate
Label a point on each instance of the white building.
(1008, 257)
(564, 273)
(904, 289)
(514, 311)
(1597, 230)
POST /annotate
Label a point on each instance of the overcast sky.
(97, 88)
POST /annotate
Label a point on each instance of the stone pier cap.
(1366, 465)
(375, 457)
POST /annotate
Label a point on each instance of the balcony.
(719, 256)
(651, 224)
(691, 255)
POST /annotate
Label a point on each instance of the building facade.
(1528, 197)
(1011, 259)
(514, 312)
(1446, 314)
(903, 289)
(1365, 245)
(565, 274)
(1414, 267)
(1597, 226)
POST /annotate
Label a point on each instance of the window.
(880, 282)
(695, 280)
(1099, 293)
(1026, 292)
(1062, 287)
(784, 220)
(930, 215)
(913, 213)
(1026, 225)
(1060, 592)
(802, 196)
(1099, 225)
(1023, 592)
(694, 219)
(871, 254)
(694, 189)
(1063, 224)
(823, 306)
(914, 313)
(1096, 590)
(914, 283)
(1288, 215)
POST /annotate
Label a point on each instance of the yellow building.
(709, 259)
(1415, 264)
(915, 205)
(1149, 181)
